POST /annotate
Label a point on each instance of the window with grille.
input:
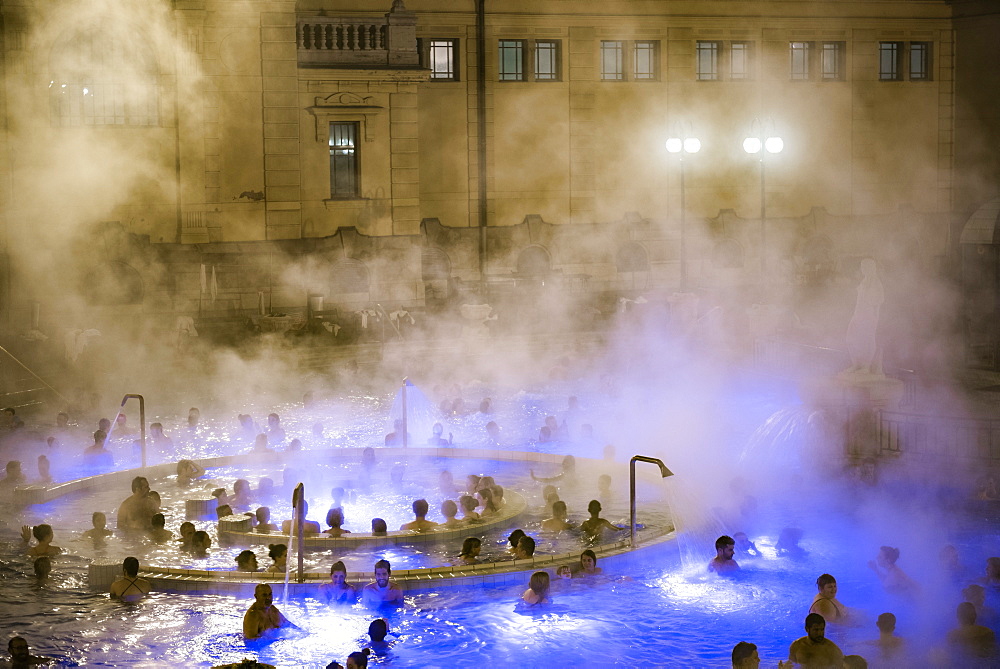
(612, 63)
(511, 60)
(644, 57)
(442, 59)
(832, 61)
(707, 61)
(344, 160)
(920, 61)
(888, 61)
(799, 60)
(546, 60)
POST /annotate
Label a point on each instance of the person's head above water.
(378, 629)
(42, 566)
(827, 585)
(379, 526)
(594, 508)
(130, 566)
(335, 517)
(515, 537)
(420, 508)
(745, 656)
(815, 627)
(886, 623)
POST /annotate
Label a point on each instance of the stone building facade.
(390, 147)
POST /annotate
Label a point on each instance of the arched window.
(113, 283)
(728, 254)
(534, 261)
(348, 276)
(631, 257)
(102, 78)
(434, 265)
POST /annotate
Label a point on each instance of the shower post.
(142, 423)
(664, 472)
(406, 382)
(300, 521)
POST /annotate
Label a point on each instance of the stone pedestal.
(200, 509)
(101, 574)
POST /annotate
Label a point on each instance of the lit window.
(799, 55)
(344, 160)
(644, 56)
(511, 62)
(888, 61)
(707, 61)
(920, 61)
(832, 62)
(546, 60)
(739, 60)
(611, 60)
(441, 58)
(103, 79)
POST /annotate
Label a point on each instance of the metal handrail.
(142, 421)
(664, 472)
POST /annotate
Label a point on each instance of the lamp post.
(680, 146)
(763, 140)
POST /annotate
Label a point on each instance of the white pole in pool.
(297, 522)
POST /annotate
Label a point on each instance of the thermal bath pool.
(650, 610)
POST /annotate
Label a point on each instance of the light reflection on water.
(660, 615)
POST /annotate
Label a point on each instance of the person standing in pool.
(595, 525)
(420, 524)
(130, 588)
(723, 562)
(382, 590)
(825, 603)
(262, 615)
(136, 511)
(338, 590)
(20, 655)
(814, 649)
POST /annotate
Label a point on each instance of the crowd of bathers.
(969, 643)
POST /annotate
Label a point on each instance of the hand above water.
(26, 533)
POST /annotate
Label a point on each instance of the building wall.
(239, 152)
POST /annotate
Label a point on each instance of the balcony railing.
(387, 41)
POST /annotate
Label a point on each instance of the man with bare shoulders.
(594, 526)
(723, 562)
(262, 614)
(136, 511)
(20, 655)
(130, 588)
(814, 650)
(421, 524)
(382, 590)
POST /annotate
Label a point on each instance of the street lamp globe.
(674, 145)
(774, 144)
(692, 145)
(751, 144)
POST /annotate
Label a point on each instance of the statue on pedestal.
(861, 342)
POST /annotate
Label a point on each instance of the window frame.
(529, 59)
(556, 51)
(518, 46)
(927, 58)
(840, 60)
(897, 50)
(746, 47)
(355, 162)
(654, 59)
(427, 47)
(806, 49)
(620, 51)
(713, 47)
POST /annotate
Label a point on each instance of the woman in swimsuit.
(825, 603)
